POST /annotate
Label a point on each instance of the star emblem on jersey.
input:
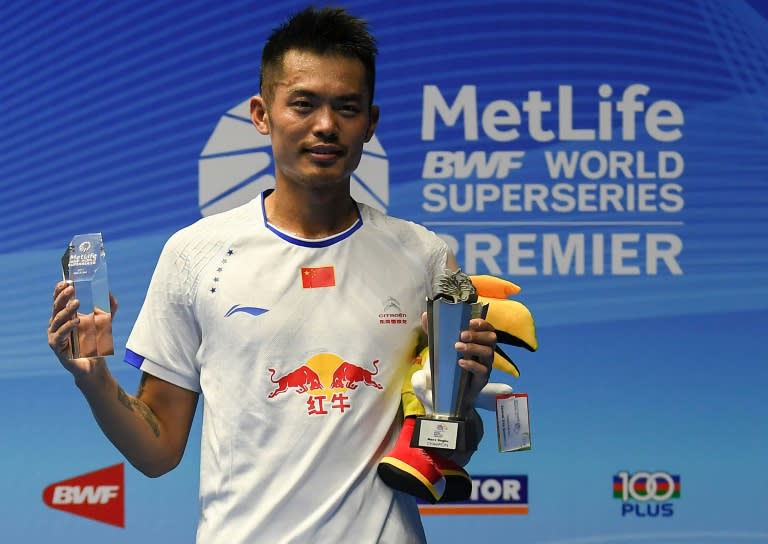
(220, 270)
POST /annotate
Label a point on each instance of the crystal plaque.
(84, 266)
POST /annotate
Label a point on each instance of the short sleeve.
(166, 336)
(438, 258)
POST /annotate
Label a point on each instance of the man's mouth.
(325, 152)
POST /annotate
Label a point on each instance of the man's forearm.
(127, 422)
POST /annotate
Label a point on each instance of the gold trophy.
(84, 266)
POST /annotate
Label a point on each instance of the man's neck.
(310, 215)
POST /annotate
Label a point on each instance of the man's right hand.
(64, 321)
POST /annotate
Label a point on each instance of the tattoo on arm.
(133, 403)
(142, 381)
(123, 397)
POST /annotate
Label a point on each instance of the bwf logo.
(236, 165)
(646, 494)
(97, 495)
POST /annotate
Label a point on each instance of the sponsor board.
(491, 495)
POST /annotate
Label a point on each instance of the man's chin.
(325, 177)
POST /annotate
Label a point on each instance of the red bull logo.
(348, 376)
(325, 378)
(302, 379)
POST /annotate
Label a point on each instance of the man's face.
(318, 118)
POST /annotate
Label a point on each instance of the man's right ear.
(259, 114)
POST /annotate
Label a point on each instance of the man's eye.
(302, 104)
(350, 108)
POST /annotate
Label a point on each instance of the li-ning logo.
(236, 165)
(392, 314)
(97, 495)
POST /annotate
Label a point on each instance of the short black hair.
(325, 31)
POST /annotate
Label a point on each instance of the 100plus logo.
(646, 494)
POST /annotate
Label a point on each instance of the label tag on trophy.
(449, 312)
(84, 266)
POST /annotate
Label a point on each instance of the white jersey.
(299, 348)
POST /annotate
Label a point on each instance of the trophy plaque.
(449, 313)
(84, 266)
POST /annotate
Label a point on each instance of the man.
(271, 311)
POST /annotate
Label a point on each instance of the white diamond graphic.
(236, 165)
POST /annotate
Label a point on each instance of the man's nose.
(325, 122)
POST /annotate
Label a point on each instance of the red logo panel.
(97, 495)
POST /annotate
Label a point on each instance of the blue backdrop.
(608, 156)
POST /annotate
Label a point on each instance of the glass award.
(84, 266)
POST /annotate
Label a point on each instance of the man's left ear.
(259, 114)
(372, 122)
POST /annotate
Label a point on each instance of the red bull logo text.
(325, 378)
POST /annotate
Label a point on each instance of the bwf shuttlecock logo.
(236, 165)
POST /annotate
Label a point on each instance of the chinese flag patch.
(323, 276)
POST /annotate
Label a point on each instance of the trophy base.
(439, 433)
